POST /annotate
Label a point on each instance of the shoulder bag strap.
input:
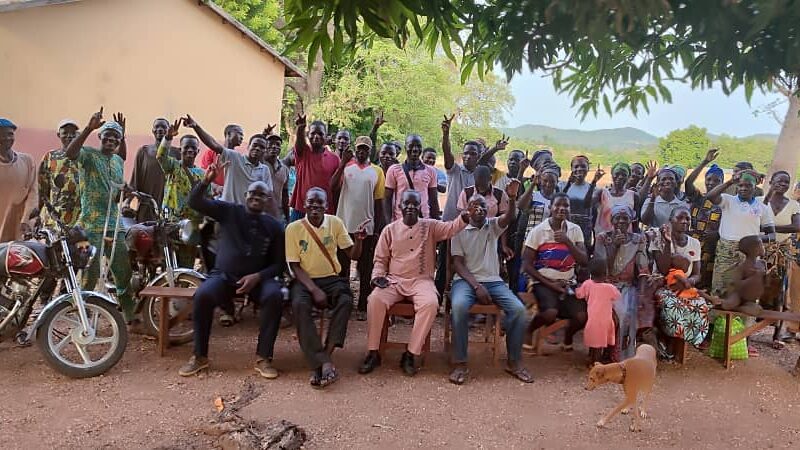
(314, 236)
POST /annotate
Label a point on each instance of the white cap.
(66, 122)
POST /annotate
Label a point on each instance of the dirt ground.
(143, 403)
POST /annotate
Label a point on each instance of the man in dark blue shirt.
(250, 255)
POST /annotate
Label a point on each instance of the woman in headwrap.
(680, 172)
(705, 215)
(626, 254)
(617, 194)
(685, 318)
(779, 254)
(580, 195)
(658, 208)
(637, 176)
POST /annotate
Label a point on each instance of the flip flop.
(521, 374)
(778, 344)
(314, 379)
(328, 378)
(226, 320)
(459, 375)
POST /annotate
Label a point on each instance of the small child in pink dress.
(599, 333)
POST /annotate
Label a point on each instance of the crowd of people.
(645, 258)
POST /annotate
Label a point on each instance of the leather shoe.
(372, 361)
(407, 364)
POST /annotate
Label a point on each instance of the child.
(676, 277)
(743, 293)
(599, 333)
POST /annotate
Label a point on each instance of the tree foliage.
(259, 16)
(686, 146)
(610, 54)
(413, 91)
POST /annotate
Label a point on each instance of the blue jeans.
(462, 297)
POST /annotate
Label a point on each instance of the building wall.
(146, 58)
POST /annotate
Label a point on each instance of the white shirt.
(784, 217)
(740, 219)
(690, 251)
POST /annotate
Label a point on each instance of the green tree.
(686, 147)
(259, 16)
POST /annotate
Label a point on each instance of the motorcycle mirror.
(186, 228)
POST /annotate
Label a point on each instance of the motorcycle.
(151, 249)
(80, 333)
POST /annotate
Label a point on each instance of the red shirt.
(206, 159)
(314, 170)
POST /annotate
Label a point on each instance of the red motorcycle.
(151, 249)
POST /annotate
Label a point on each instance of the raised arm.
(447, 149)
(652, 171)
(299, 135)
(524, 202)
(588, 201)
(689, 187)
(511, 213)
(205, 138)
(715, 195)
(122, 150)
(373, 134)
(73, 150)
(200, 203)
(487, 155)
(336, 179)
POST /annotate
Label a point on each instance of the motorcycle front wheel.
(66, 350)
(181, 329)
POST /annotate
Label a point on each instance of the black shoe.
(372, 361)
(407, 364)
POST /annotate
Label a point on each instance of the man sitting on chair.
(249, 258)
(478, 278)
(311, 245)
(404, 262)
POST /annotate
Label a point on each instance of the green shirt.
(66, 199)
(179, 183)
(100, 178)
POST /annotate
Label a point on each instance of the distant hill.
(613, 139)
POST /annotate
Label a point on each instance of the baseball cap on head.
(364, 140)
(65, 123)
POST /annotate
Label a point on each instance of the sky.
(538, 103)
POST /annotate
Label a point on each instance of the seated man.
(404, 264)
(478, 278)
(249, 257)
(311, 245)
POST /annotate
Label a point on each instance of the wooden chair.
(491, 333)
(402, 309)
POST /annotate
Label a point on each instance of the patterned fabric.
(705, 217)
(684, 318)
(727, 258)
(738, 350)
(65, 200)
(627, 322)
(180, 182)
(100, 178)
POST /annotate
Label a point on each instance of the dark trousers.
(364, 267)
(218, 291)
(441, 269)
(340, 302)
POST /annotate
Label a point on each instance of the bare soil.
(143, 403)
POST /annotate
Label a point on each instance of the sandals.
(521, 374)
(459, 375)
(322, 378)
(777, 344)
(226, 320)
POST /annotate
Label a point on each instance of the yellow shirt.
(301, 248)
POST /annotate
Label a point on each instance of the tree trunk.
(787, 150)
(307, 91)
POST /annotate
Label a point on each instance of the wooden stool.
(166, 294)
(491, 331)
(767, 318)
(403, 309)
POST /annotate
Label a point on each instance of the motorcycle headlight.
(186, 231)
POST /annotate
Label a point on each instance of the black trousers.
(364, 267)
(441, 269)
(218, 291)
(340, 302)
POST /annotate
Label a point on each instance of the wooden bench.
(766, 318)
(169, 293)
(401, 309)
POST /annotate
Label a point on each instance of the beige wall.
(147, 58)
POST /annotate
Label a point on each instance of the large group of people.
(645, 258)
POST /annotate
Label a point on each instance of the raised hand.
(378, 121)
(96, 121)
(513, 189)
(502, 143)
(212, 170)
(447, 123)
(560, 236)
(269, 129)
(174, 129)
(652, 168)
(188, 122)
(347, 155)
(120, 119)
(598, 174)
(666, 232)
(618, 238)
(523, 165)
(711, 155)
(300, 121)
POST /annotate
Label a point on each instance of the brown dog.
(636, 375)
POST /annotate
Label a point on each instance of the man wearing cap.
(17, 183)
(59, 181)
(279, 173)
(360, 185)
(101, 180)
(148, 177)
